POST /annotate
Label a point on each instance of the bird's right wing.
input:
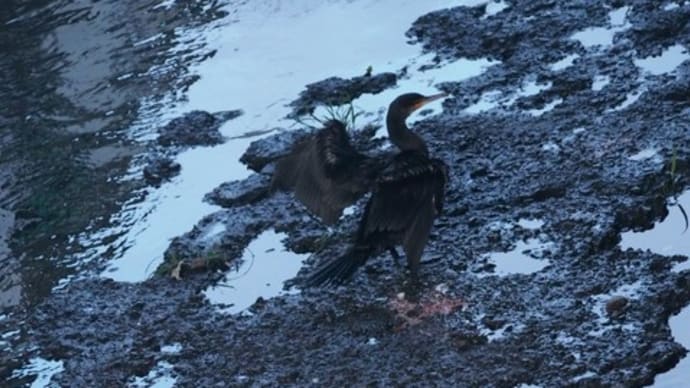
(325, 172)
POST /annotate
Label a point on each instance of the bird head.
(407, 103)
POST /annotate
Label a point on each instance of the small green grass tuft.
(673, 179)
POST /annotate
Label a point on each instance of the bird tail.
(340, 270)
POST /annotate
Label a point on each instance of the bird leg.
(395, 254)
(432, 260)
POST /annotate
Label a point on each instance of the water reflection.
(67, 111)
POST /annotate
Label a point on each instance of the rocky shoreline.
(561, 156)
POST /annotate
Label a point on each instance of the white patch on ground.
(9, 334)
(372, 341)
(670, 6)
(214, 230)
(630, 99)
(166, 4)
(578, 131)
(495, 98)
(520, 260)
(665, 63)
(158, 377)
(644, 154)
(598, 306)
(583, 376)
(680, 374)
(564, 63)
(666, 237)
(488, 100)
(550, 147)
(500, 333)
(175, 348)
(494, 7)
(600, 81)
(499, 225)
(265, 266)
(530, 223)
(546, 108)
(603, 36)
(348, 211)
(43, 369)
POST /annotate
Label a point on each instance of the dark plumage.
(326, 173)
(407, 196)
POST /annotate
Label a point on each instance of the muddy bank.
(567, 156)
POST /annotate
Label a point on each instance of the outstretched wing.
(408, 196)
(325, 171)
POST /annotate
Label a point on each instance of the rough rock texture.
(196, 128)
(336, 91)
(161, 169)
(243, 192)
(568, 166)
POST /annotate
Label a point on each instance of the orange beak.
(428, 99)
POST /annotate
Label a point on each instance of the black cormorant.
(407, 193)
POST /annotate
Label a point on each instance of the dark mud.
(560, 326)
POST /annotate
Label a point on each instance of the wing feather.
(325, 172)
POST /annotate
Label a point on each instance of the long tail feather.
(340, 270)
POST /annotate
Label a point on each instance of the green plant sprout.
(673, 180)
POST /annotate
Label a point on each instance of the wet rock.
(196, 128)
(161, 169)
(616, 306)
(243, 192)
(264, 151)
(336, 91)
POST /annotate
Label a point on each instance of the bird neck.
(402, 136)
